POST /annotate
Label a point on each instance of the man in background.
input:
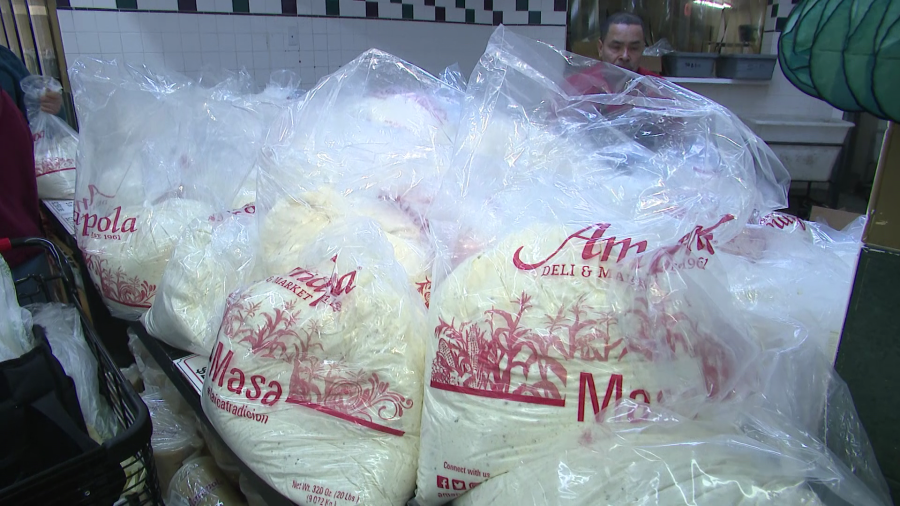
(622, 44)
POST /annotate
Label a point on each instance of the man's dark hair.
(620, 18)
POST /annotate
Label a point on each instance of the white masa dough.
(214, 257)
(288, 227)
(358, 369)
(54, 165)
(128, 265)
(488, 308)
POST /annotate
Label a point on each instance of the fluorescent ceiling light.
(715, 4)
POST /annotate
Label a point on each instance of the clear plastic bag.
(133, 375)
(174, 437)
(315, 381)
(283, 85)
(379, 125)
(55, 143)
(156, 152)
(741, 454)
(153, 378)
(15, 322)
(372, 141)
(333, 335)
(790, 280)
(216, 254)
(282, 91)
(292, 220)
(453, 76)
(62, 325)
(659, 48)
(840, 429)
(577, 237)
(200, 483)
(224, 457)
(649, 155)
(794, 379)
(214, 257)
(253, 497)
(793, 270)
(518, 356)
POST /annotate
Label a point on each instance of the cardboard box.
(883, 228)
(835, 218)
(868, 357)
(653, 63)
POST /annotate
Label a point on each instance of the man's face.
(623, 46)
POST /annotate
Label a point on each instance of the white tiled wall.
(315, 47)
(312, 47)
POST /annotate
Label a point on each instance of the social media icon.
(443, 482)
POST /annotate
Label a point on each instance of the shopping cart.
(85, 474)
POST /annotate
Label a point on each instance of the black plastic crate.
(746, 66)
(680, 64)
(130, 446)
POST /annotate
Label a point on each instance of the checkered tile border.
(478, 12)
(777, 13)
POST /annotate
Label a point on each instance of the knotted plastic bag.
(63, 327)
(372, 140)
(200, 483)
(174, 437)
(15, 322)
(55, 143)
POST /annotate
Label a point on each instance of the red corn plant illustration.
(470, 357)
(485, 354)
(716, 359)
(305, 344)
(464, 357)
(675, 337)
(655, 332)
(586, 338)
(314, 380)
(118, 287)
(664, 334)
(271, 338)
(512, 341)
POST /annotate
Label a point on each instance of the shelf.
(164, 356)
(717, 80)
